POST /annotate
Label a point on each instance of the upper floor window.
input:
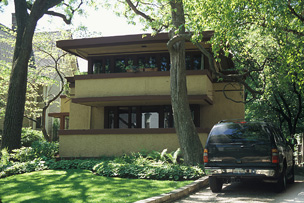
(143, 62)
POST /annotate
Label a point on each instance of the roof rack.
(232, 120)
(244, 120)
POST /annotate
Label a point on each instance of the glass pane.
(150, 120)
(111, 119)
(164, 64)
(107, 65)
(197, 62)
(168, 117)
(237, 132)
(133, 117)
(188, 62)
(97, 67)
(123, 117)
(120, 65)
(151, 62)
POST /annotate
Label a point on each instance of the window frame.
(113, 123)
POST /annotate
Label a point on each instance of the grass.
(79, 186)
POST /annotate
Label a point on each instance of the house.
(114, 111)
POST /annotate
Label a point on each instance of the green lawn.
(79, 186)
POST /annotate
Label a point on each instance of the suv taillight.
(275, 156)
(205, 155)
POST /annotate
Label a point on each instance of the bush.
(23, 167)
(39, 149)
(72, 164)
(28, 136)
(158, 166)
(130, 166)
(4, 159)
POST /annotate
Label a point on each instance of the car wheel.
(291, 177)
(281, 184)
(215, 184)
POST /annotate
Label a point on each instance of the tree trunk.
(189, 141)
(26, 24)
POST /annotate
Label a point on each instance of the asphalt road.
(250, 192)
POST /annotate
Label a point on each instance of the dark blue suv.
(240, 151)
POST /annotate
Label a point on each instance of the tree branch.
(64, 18)
(301, 18)
(145, 16)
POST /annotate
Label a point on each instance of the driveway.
(250, 192)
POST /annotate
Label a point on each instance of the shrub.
(72, 164)
(23, 167)
(144, 168)
(39, 149)
(4, 159)
(41, 156)
(28, 136)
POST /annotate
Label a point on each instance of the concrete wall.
(85, 121)
(157, 85)
(222, 107)
(96, 145)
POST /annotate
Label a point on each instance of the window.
(194, 61)
(101, 66)
(144, 116)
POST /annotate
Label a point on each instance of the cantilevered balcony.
(138, 88)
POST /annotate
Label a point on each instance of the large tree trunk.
(26, 24)
(189, 141)
(18, 80)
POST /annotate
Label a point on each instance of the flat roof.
(123, 44)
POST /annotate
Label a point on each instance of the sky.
(101, 21)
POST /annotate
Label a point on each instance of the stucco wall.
(65, 104)
(157, 85)
(96, 145)
(222, 107)
(80, 116)
(97, 118)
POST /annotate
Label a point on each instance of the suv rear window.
(238, 132)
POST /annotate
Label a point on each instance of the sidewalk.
(178, 193)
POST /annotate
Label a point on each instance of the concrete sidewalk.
(178, 193)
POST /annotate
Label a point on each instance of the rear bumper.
(237, 175)
(241, 172)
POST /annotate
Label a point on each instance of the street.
(250, 192)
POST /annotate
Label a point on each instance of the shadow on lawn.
(77, 186)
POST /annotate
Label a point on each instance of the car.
(237, 150)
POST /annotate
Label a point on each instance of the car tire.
(215, 184)
(281, 184)
(291, 177)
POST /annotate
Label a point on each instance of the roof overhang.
(139, 100)
(118, 45)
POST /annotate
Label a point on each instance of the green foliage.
(4, 159)
(150, 166)
(73, 164)
(163, 166)
(39, 149)
(148, 170)
(28, 136)
(23, 167)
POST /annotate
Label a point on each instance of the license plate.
(238, 170)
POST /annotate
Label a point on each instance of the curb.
(178, 193)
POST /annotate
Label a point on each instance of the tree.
(46, 74)
(51, 66)
(266, 41)
(27, 15)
